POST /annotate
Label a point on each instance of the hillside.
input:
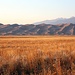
(41, 29)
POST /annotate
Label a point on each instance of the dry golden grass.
(37, 55)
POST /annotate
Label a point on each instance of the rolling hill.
(41, 29)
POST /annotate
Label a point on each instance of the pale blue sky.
(30, 11)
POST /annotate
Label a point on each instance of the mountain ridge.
(57, 21)
(41, 29)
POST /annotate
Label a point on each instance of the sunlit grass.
(37, 55)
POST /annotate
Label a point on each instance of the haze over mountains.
(58, 26)
(58, 21)
(41, 29)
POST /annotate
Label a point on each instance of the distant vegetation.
(37, 55)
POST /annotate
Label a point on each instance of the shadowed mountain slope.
(41, 29)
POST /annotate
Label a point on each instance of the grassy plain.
(37, 55)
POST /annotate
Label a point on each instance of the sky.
(30, 11)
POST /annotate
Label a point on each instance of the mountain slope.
(41, 29)
(58, 21)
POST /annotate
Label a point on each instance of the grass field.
(37, 55)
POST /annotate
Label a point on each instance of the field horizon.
(37, 37)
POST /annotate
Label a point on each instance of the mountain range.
(58, 21)
(40, 29)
